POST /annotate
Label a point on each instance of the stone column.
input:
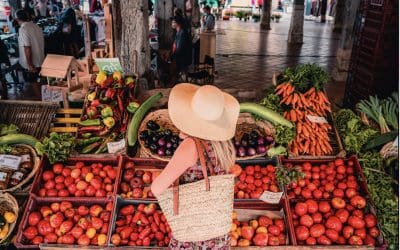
(343, 53)
(339, 12)
(266, 15)
(296, 23)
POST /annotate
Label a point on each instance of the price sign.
(108, 65)
(271, 197)
(316, 119)
(10, 161)
(50, 94)
(114, 147)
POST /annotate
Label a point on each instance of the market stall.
(305, 176)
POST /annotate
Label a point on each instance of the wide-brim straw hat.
(205, 111)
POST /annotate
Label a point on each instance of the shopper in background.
(205, 116)
(208, 19)
(30, 42)
(182, 46)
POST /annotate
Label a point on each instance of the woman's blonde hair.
(225, 154)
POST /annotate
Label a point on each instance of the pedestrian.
(206, 118)
(280, 6)
(208, 19)
(30, 42)
(182, 47)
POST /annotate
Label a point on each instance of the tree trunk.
(340, 10)
(324, 5)
(132, 35)
(296, 22)
(164, 11)
(266, 15)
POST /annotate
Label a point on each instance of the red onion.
(261, 149)
(260, 140)
(251, 151)
(241, 152)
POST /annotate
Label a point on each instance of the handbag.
(201, 210)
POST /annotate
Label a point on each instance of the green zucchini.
(381, 140)
(264, 113)
(137, 118)
(18, 139)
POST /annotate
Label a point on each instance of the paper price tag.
(396, 142)
(114, 147)
(10, 161)
(316, 119)
(271, 197)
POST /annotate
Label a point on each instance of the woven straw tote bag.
(201, 210)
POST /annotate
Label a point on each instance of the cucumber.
(137, 118)
(265, 113)
(381, 140)
(18, 139)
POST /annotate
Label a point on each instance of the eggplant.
(252, 143)
(161, 151)
(143, 135)
(269, 140)
(241, 152)
(167, 132)
(168, 152)
(254, 134)
(244, 143)
(161, 141)
(168, 145)
(152, 125)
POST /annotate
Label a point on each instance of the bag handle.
(175, 187)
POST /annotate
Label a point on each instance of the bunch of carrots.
(311, 137)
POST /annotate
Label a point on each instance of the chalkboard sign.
(108, 65)
(52, 94)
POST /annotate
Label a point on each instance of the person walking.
(208, 19)
(206, 118)
(30, 42)
(182, 47)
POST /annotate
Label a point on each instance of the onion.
(161, 141)
(261, 149)
(244, 143)
(168, 145)
(237, 143)
(251, 151)
(241, 152)
(269, 139)
(161, 151)
(260, 140)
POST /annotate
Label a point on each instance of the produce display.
(136, 183)
(252, 143)
(57, 147)
(79, 180)
(13, 173)
(158, 140)
(326, 180)
(67, 222)
(261, 231)
(140, 225)
(335, 222)
(6, 219)
(252, 181)
(106, 113)
(300, 90)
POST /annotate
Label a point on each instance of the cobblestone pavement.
(247, 57)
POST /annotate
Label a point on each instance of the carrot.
(288, 100)
(293, 116)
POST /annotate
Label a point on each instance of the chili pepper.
(103, 146)
(129, 80)
(91, 112)
(103, 96)
(95, 103)
(91, 96)
(109, 122)
(103, 131)
(89, 129)
(90, 147)
(120, 103)
(106, 112)
(132, 107)
(110, 93)
(90, 122)
(117, 75)
(101, 77)
(87, 135)
(84, 142)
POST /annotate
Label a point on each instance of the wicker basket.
(246, 123)
(36, 165)
(161, 117)
(8, 203)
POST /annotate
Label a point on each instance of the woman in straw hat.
(209, 115)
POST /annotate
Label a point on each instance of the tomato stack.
(330, 206)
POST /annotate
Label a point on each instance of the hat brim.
(185, 119)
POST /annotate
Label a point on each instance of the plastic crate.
(31, 117)
(111, 160)
(145, 164)
(34, 203)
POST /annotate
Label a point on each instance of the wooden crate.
(66, 121)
